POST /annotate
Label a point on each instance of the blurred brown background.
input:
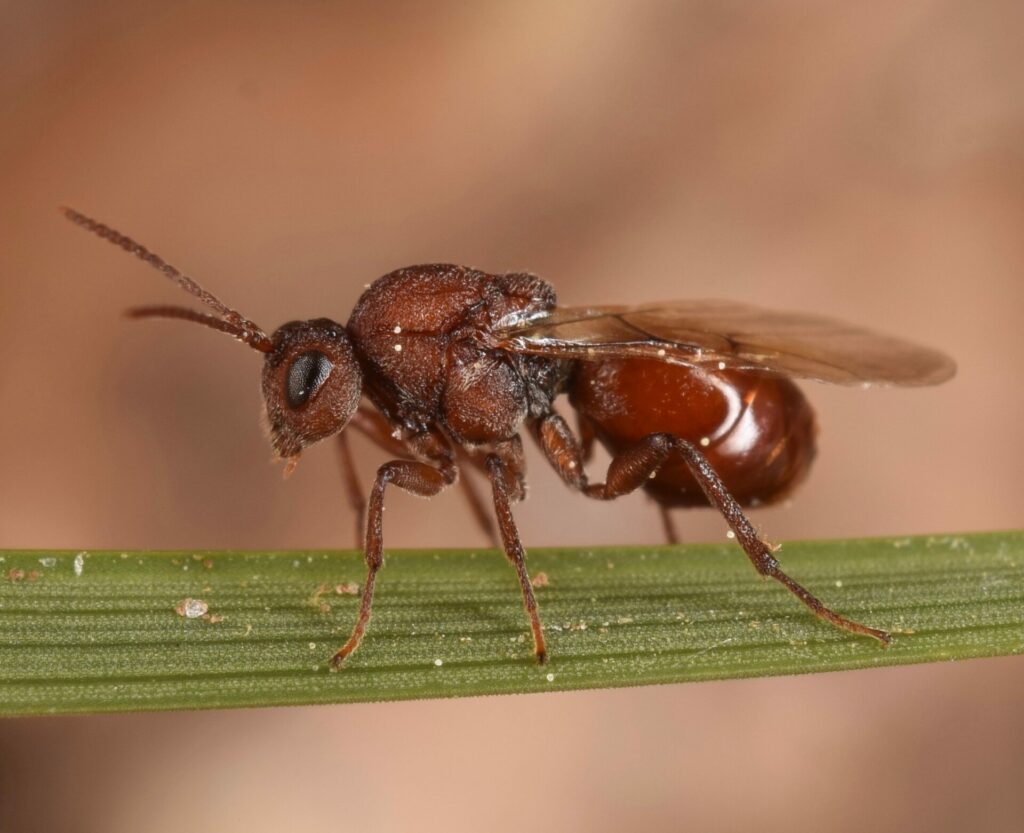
(861, 160)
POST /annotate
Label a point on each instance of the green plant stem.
(99, 631)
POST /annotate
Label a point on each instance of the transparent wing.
(722, 333)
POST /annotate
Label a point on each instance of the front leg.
(376, 428)
(422, 479)
(353, 489)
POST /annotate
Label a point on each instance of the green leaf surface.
(100, 631)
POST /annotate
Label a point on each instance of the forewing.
(725, 334)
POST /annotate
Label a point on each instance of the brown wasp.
(445, 366)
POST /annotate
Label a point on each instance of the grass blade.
(99, 631)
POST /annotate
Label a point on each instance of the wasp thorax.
(311, 384)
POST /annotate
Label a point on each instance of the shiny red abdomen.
(756, 429)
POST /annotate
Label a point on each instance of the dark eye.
(307, 373)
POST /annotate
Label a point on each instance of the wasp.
(447, 367)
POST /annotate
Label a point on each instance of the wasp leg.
(475, 501)
(353, 490)
(631, 468)
(505, 472)
(377, 429)
(668, 524)
(420, 479)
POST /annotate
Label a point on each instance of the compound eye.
(305, 377)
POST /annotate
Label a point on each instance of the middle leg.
(504, 467)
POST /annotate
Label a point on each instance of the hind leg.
(631, 468)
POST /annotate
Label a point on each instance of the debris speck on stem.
(191, 608)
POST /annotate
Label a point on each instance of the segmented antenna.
(231, 321)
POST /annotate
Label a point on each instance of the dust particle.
(316, 602)
(79, 564)
(192, 608)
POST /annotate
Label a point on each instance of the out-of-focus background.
(861, 160)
